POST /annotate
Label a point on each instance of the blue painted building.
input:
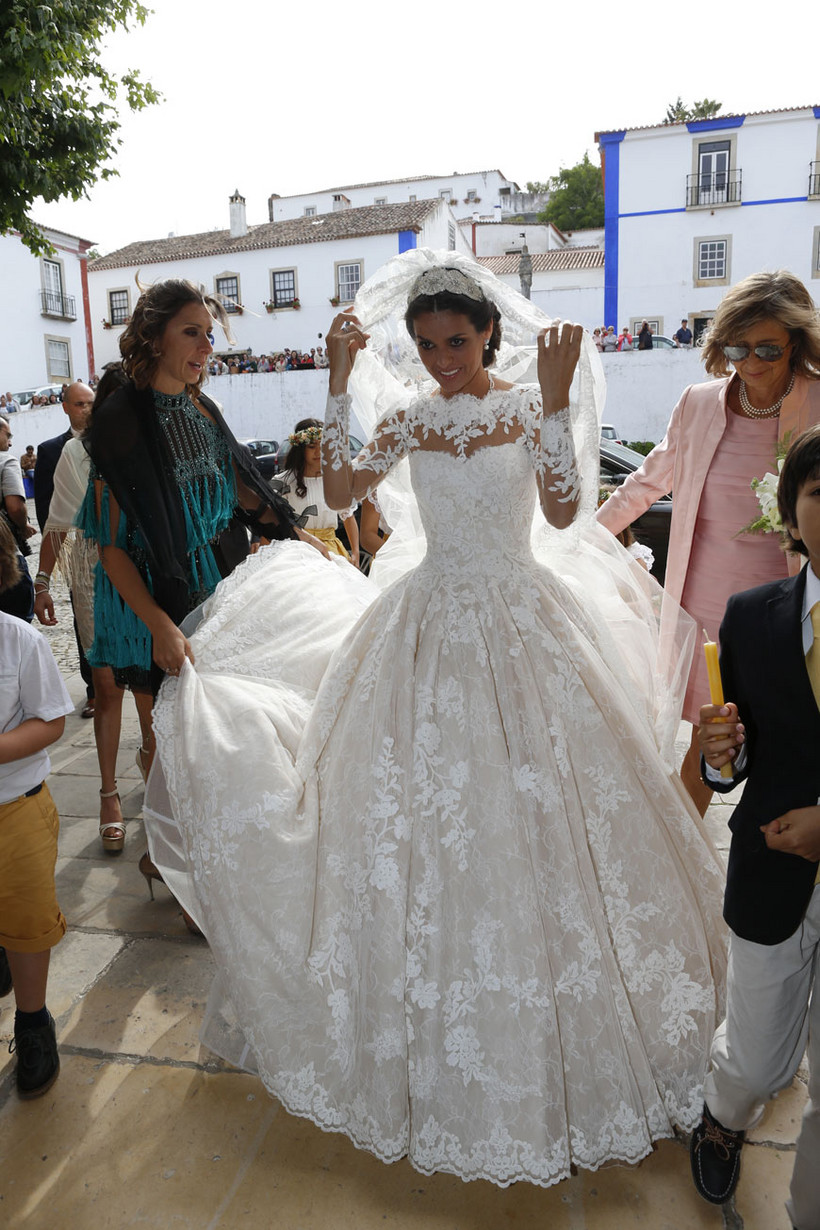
(691, 208)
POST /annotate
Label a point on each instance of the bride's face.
(451, 348)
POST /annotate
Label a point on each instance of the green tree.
(58, 103)
(576, 197)
(678, 112)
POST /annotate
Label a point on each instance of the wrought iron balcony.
(814, 179)
(55, 304)
(713, 188)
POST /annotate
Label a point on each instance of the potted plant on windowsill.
(269, 305)
(106, 324)
(334, 300)
(453, 200)
(472, 200)
(296, 305)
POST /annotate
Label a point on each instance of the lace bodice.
(458, 427)
(477, 510)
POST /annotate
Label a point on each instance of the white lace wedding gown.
(461, 908)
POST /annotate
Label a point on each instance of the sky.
(269, 98)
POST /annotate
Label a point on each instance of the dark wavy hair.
(113, 378)
(10, 571)
(802, 465)
(296, 460)
(156, 306)
(479, 312)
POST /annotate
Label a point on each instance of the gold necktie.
(813, 656)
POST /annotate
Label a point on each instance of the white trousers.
(771, 1014)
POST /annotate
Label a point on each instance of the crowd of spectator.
(283, 361)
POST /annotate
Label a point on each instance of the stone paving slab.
(147, 1128)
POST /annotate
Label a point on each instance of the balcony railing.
(55, 304)
(814, 179)
(713, 188)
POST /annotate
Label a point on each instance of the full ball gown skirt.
(461, 909)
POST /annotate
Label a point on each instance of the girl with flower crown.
(301, 486)
(461, 907)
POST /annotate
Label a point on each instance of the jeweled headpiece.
(445, 279)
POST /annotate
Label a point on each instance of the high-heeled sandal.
(152, 873)
(143, 754)
(112, 834)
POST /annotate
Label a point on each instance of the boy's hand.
(796, 832)
(720, 734)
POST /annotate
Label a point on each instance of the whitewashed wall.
(23, 328)
(643, 388)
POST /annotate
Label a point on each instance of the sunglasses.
(768, 353)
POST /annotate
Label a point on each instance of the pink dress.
(720, 563)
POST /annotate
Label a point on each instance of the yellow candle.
(710, 649)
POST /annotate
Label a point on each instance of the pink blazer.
(680, 464)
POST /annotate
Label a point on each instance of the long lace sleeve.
(347, 482)
(549, 438)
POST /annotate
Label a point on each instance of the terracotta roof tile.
(340, 224)
(547, 262)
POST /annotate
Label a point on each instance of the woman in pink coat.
(722, 434)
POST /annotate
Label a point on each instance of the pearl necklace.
(767, 412)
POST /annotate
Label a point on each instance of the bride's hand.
(343, 342)
(559, 348)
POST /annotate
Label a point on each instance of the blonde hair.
(10, 572)
(156, 306)
(779, 296)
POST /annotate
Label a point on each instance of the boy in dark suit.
(769, 731)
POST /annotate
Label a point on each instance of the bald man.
(77, 402)
(78, 399)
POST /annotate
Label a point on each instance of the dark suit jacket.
(48, 454)
(764, 673)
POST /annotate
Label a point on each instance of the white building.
(484, 193)
(566, 282)
(692, 208)
(44, 316)
(281, 281)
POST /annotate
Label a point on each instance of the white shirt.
(11, 476)
(31, 686)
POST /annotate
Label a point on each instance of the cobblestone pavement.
(146, 1128)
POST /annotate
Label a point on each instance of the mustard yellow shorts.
(30, 918)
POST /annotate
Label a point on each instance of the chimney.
(274, 196)
(340, 201)
(239, 226)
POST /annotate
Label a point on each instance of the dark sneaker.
(5, 974)
(714, 1152)
(38, 1063)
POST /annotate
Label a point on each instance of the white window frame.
(655, 324)
(413, 198)
(119, 290)
(697, 276)
(55, 375)
(231, 307)
(310, 211)
(380, 200)
(338, 267)
(730, 138)
(445, 194)
(285, 269)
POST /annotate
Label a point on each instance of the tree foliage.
(58, 103)
(576, 197)
(678, 112)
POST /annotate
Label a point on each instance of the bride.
(461, 908)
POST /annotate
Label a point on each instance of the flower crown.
(444, 279)
(309, 435)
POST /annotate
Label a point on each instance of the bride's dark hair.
(479, 312)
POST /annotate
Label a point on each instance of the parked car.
(265, 453)
(659, 342)
(45, 390)
(652, 527)
(354, 443)
(608, 432)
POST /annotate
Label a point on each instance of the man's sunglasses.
(769, 354)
